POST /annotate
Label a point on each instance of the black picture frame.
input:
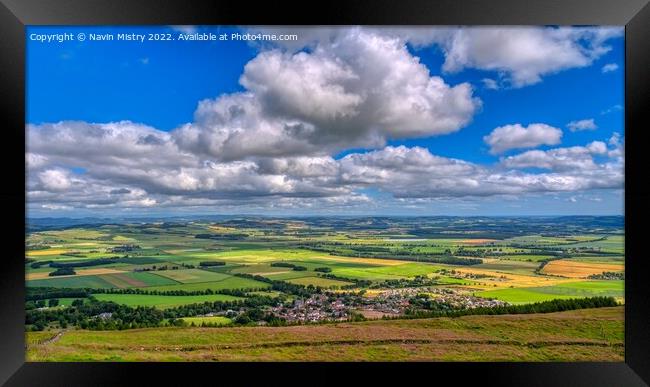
(16, 14)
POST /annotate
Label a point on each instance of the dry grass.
(574, 269)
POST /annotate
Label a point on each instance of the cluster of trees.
(30, 305)
(424, 301)
(608, 275)
(85, 263)
(63, 271)
(191, 310)
(88, 315)
(285, 287)
(323, 269)
(211, 263)
(290, 265)
(65, 267)
(37, 264)
(124, 248)
(256, 314)
(417, 281)
(162, 268)
(44, 293)
(226, 237)
(356, 283)
(282, 264)
(107, 315)
(545, 262)
(458, 274)
(178, 292)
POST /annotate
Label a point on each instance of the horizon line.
(326, 215)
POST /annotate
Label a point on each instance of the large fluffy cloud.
(523, 54)
(560, 159)
(520, 55)
(415, 172)
(357, 90)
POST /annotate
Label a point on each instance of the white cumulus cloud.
(516, 136)
(587, 124)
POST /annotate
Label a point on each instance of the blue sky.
(158, 84)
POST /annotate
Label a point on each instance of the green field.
(119, 280)
(518, 267)
(388, 272)
(288, 275)
(566, 290)
(586, 288)
(260, 269)
(521, 295)
(87, 281)
(218, 320)
(189, 276)
(227, 283)
(162, 302)
(318, 281)
(137, 279)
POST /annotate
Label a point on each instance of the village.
(391, 302)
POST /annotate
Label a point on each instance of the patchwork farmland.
(284, 278)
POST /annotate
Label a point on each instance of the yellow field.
(37, 253)
(263, 256)
(80, 272)
(370, 261)
(573, 269)
(511, 280)
(75, 234)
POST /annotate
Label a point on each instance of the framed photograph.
(358, 190)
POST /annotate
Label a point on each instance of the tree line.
(289, 265)
(556, 305)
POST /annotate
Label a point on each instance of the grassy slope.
(583, 335)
